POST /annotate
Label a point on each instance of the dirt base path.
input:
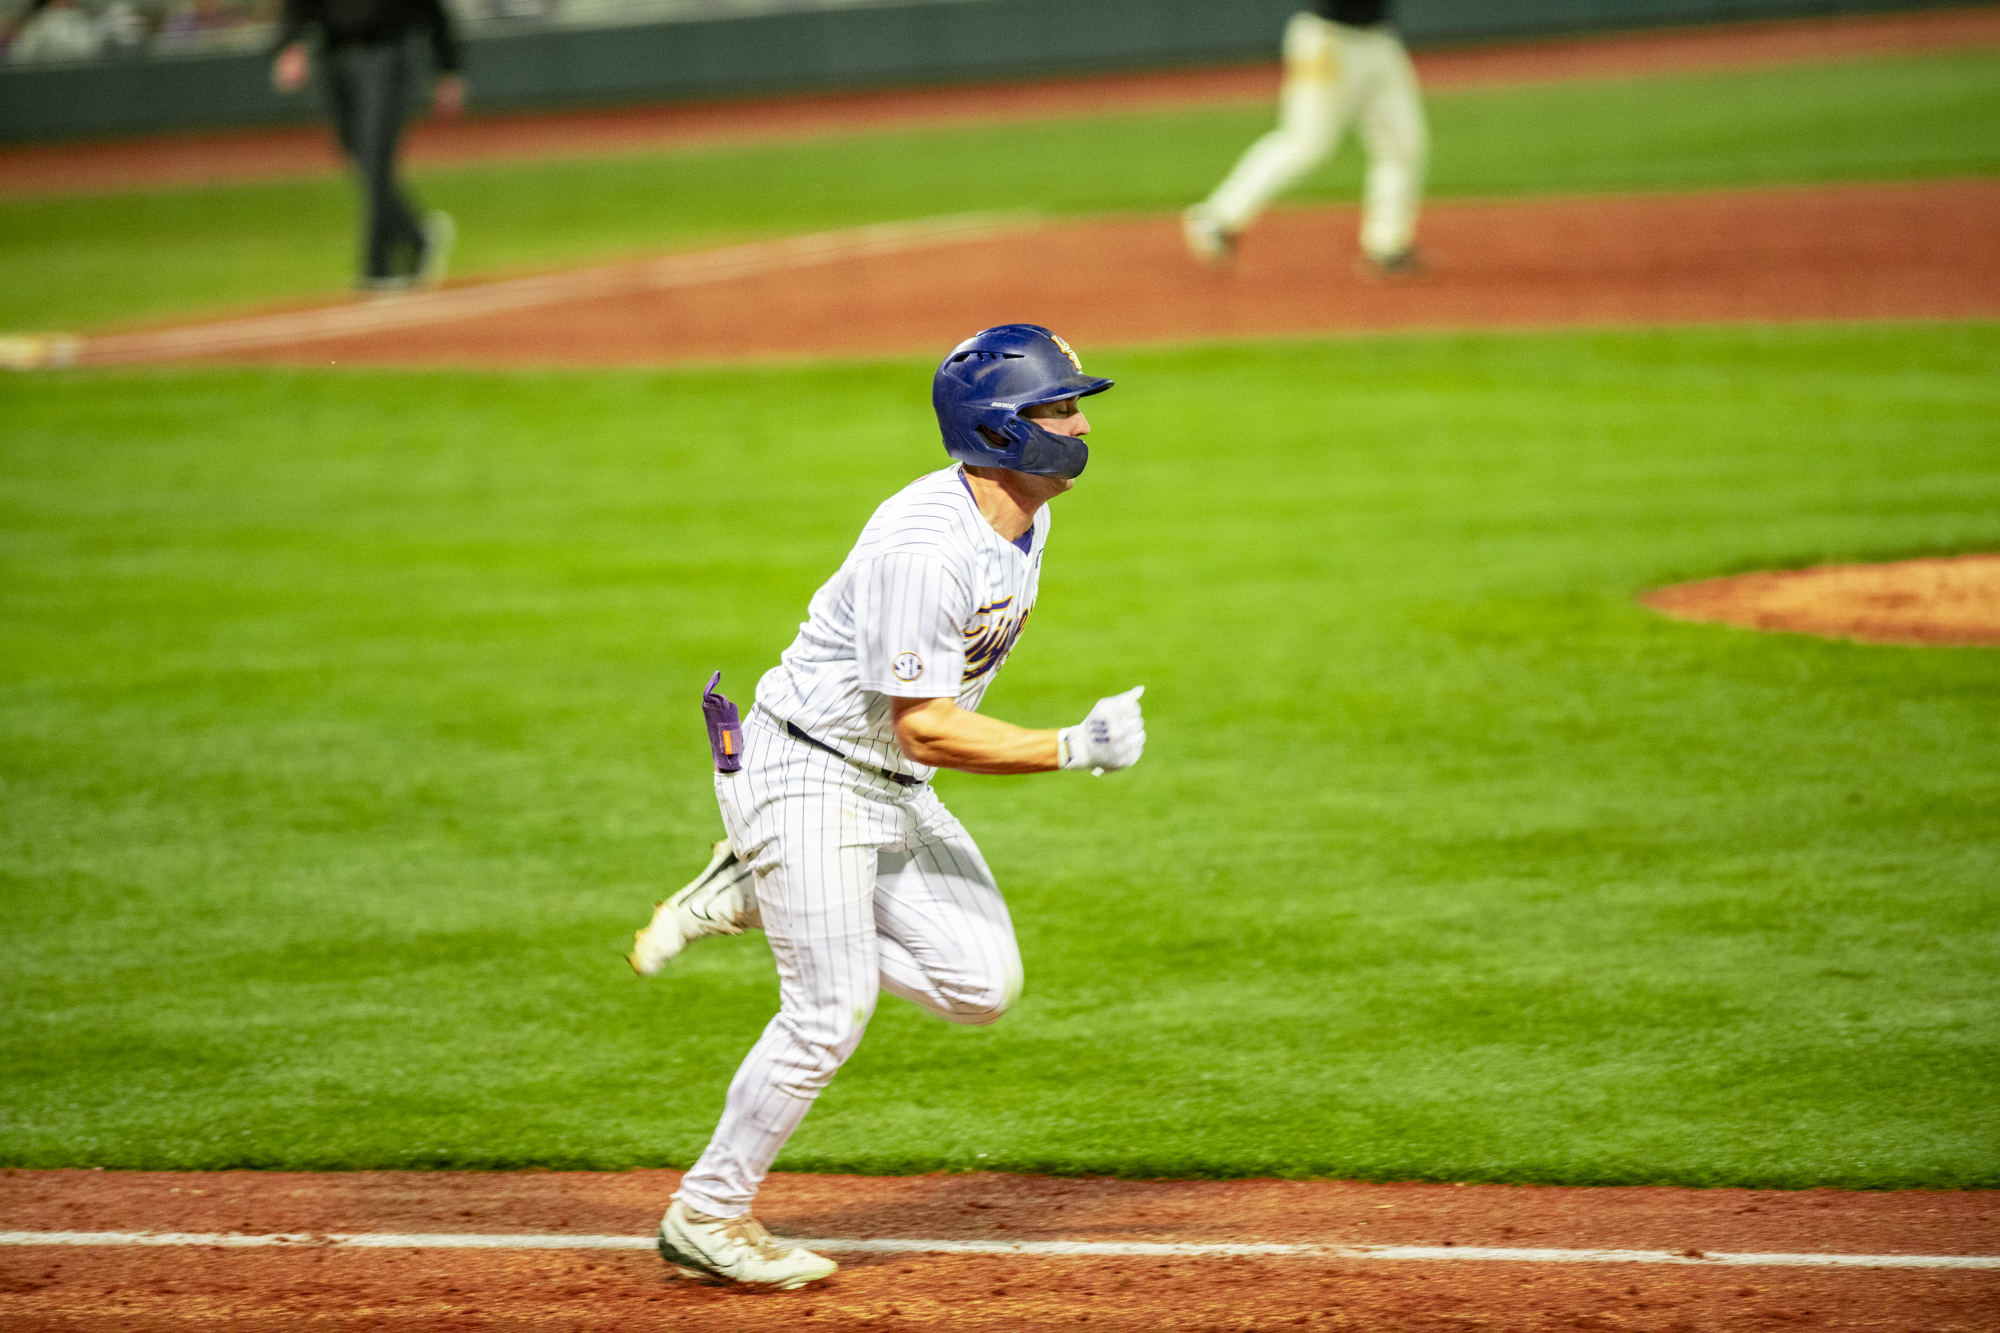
(310, 1284)
(187, 159)
(1856, 252)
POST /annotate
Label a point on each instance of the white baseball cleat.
(736, 1249)
(1206, 238)
(722, 900)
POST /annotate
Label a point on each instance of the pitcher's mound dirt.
(1950, 600)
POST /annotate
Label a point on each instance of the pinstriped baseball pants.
(864, 886)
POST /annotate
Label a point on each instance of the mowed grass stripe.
(347, 729)
(79, 263)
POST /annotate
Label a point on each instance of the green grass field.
(348, 728)
(81, 263)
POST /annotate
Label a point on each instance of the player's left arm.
(940, 734)
(448, 91)
(291, 59)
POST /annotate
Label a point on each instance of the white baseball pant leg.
(1397, 139)
(1337, 75)
(864, 886)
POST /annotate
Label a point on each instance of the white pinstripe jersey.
(926, 606)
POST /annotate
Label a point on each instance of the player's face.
(1063, 418)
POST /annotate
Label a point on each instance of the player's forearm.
(940, 734)
(293, 20)
(444, 38)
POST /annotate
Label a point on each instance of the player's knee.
(822, 1042)
(842, 1032)
(977, 1002)
(1300, 149)
(972, 1013)
(1312, 145)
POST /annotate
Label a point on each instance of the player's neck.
(1008, 499)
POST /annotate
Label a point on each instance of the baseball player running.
(1344, 64)
(837, 847)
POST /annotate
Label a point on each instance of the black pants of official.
(368, 85)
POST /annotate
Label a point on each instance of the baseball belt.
(901, 779)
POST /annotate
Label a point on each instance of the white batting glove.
(1113, 736)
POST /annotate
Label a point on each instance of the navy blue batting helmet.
(985, 381)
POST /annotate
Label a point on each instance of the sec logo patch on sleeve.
(907, 667)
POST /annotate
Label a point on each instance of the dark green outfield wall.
(894, 43)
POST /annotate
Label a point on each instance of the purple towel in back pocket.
(725, 733)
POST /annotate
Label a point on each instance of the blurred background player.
(364, 49)
(1344, 64)
(50, 30)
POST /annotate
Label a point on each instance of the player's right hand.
(289, 70)
(1113, 736)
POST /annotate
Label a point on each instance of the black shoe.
(1405, 263)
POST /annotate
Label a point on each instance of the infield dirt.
(321, 1287)
(1849, 252)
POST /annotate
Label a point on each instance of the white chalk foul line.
(416, 309)
(1048, 1248)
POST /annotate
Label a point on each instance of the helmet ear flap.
(1042, 452)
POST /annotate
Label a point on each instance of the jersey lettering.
(990, 638)
(928, 605)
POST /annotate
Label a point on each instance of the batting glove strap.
(1112, 737)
